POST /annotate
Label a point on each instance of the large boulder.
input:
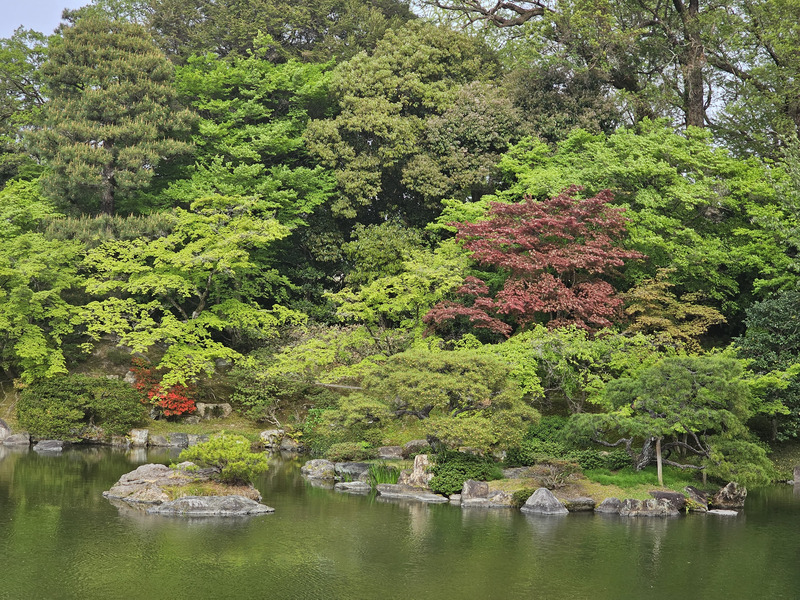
(211, 506)
(404, 492)
(579, 504)
(353, 487)
(271, 438)
(289, 444)
(18, 439)
(390, 452)
(354, 471)
(732, 496)
(213, 411)
(318, 468)
(609, 506)
(5, 430)
(477, 493)
(543, 502)
(697, 500)
(50, 446)
(474, 489)
(139, 437)
(678, 501)
(419, 476)
(415, 447)
(171, 440)
(144, 485)
(652, 507)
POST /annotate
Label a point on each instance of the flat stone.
(609, 506)
(144, 484)
(50, 446)
(405, 492)
(318, 468)
(652, 507)
(543, 502)
(353, 487)
(193, 438)
(390, 452)
(18, 439)
(159, 441)
(723, 513)
(494, 499)
(178, 440)
(677, 500)
(579, 504)
(211, 506)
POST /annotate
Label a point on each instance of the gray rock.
(609, 506)
(211, 506)
(178, 440)
(405, 492)
(50, 446)
(652, 507)
(415, 447)
(352, 470)
(474, 489)
(454, 498)
(543, 502)
(518, 473)
(144, 484)
(18, 439)
(579, 504)
(677, 500)
(290, 445)
(318, 468)
(120, 441)
(698, 500)
(493, 499)
(731, 496)
(723, 513)
(390, 452)
(419, 475)
(192, 420)
(139, 437)
(213, 411)
(353, 487)
(5, 430)
(158, 441)
(130, 377)
(271, 438)
(193, 439)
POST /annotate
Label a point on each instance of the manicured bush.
(66, 407)
(349, 451)
(230, 455)
(452, 469)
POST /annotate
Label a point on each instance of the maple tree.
(554, 254)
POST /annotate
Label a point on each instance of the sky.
(40, 15)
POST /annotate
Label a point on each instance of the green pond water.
(59, 538)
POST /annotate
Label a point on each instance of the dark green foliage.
(349, 451)
(230, 455)
(65, 407)
(520, 497)
(452, 469)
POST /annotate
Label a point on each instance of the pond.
(59, 538)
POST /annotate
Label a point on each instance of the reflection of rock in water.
(137, 455)
(4, 452)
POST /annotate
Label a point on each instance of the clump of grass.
(380, 472)
(627, 478)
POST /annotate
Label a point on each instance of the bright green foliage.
(230, 455)
(692, 207)
(111, 119)
(385, 99)
(452, 469)
(37, 276)
(188, 288)
(349, 451)
(66, 408)
(693, 403)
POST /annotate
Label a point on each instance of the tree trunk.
(107, 191)
(645, 456)
(658, 462)
(694, 60)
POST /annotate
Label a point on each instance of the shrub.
(556, 474)
(520, 497)
(452, 469)
(66, 407)
(173, 401)
(533, 451)
(230, 455)
(348, 451)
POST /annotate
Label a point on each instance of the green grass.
(380, 472)
(627, 478)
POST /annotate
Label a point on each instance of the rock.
(543, 502)
(130, 377)
(213, 411)
(419, 475)
(211, 506)
(352, 470)
(191, 420)
(474, 489)
(390, 452)
(517, 473)
(796, 474)
(677, 500)
(144, 484)
(454, 498)
(318, 468)
(697, 501)
(609, 506)
(120, 441)
(415, 447)
(5, 430)
(579, 504)
(271, 438)
(178, 440)
(139, 437)
(731, 496)
(290, 445)
(652, 507)
(494, 499)
(50, 446)
(193, 439)
(18, 439)
(723, 513)
(405, 492)
(353, 487)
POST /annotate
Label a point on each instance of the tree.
(554, 254)
(683, 406)
(111, 118)
(194, 291)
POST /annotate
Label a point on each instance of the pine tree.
(111, 117)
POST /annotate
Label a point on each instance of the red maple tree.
(554, 254)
